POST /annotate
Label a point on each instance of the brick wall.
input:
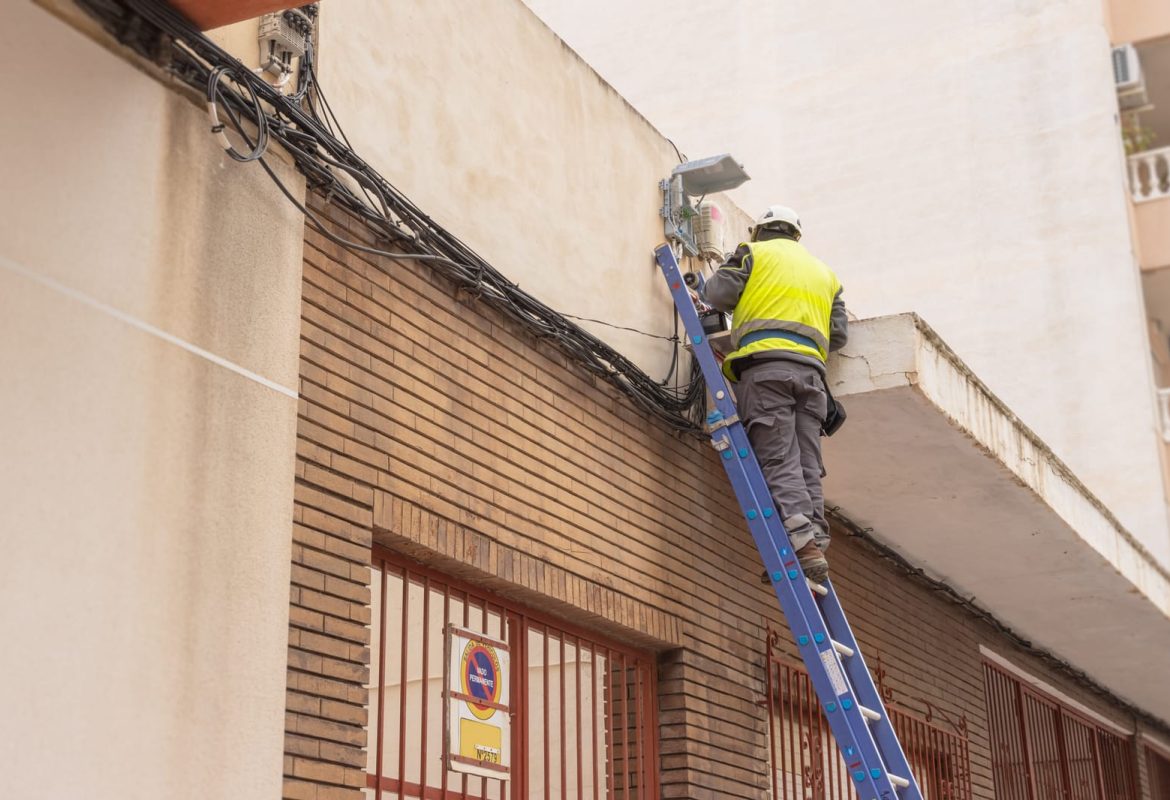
(328, 662)
(434, 426)
(930, 649)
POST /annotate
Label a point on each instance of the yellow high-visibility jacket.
(786, 303)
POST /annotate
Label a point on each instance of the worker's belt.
(741, 365)
(771, 333)
(835, 417)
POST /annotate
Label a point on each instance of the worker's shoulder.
(811, 261)
(780, 246)
(808, 254)
(787, 251)
(792, 249)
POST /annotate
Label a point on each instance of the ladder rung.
(869, 713)
(843, 649)
(820, 589)
(897, 780)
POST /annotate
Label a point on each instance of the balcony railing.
(1149, 174)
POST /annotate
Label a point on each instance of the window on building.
(1158, 774)
(1042, 749)
(583, 707)
(807, 764)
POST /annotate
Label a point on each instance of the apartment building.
(962, 161)
(1146, 39)
(261, 466)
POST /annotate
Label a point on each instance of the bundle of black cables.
(304, 124)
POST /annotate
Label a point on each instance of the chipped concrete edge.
(1011, 442)
(877, 357)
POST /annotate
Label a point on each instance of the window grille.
(1041, 749)
(1158, 774)
(807, 765)
(584, 719)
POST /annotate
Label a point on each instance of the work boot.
(813, 562)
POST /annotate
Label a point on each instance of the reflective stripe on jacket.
(788, 290)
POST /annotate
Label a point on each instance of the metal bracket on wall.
(696, 178)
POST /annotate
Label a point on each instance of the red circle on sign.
(481, 678)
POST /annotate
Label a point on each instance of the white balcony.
(1149, 174)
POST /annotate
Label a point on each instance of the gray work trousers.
(782, 405)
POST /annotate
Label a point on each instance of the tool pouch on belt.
(835, 417)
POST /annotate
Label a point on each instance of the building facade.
(965, 162)
(296, 462)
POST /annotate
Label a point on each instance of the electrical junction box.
(281, 35)
(284, 36)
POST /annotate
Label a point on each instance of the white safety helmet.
(777, 214)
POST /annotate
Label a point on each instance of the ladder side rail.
(855, 735)
(868, 695)
(739, 461)
(696, 336)
(737, 457)
(850, 728)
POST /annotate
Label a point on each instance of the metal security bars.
(584, 723)
(1043, 750)
(805, 764)
(1157, 774)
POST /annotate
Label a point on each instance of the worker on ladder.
(788, 315)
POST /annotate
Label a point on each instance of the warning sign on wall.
(478, 713)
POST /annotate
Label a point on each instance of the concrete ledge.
(947, 475)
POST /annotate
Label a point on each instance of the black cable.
(621, 327)
(670, 373)
(307, 127)
(321, 228)
(310, 132)
(214, 95)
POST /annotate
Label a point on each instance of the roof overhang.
(946, 475)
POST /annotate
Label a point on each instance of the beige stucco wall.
(960, 160)
(491, 125)
(1138, 20)
(149, 316)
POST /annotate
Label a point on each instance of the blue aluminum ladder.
(847, 694)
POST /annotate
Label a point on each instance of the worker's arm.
(838, 324)
(724, 288)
